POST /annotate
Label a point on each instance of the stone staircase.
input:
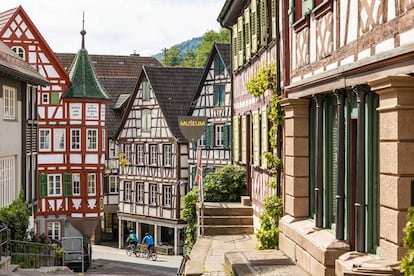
(225, 218)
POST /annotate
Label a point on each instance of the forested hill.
(189, 45)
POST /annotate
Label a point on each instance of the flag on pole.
(199, 169)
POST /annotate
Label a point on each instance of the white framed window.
(75, 136)
(19, 50)
(54, 230)
(7, 180)
(153, 194)
(127, 151)
(9, 102)
(139, 148)
(145, 91)
(166, 195)
(113, 184)
(44, 139)
(54, 184)
(92, 139)
(127, 190)
(167, 155)
(153, 155)
(103, 139)
(76, 184)
(59, 139)
(146, 119)
(139, 189)
(219, 135)
(91, 184)
(45, 98)
(201, 141)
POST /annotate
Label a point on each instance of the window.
(219, 96)
(218, 66)
(166, 189)
(167, 151)
(44, 139)
(75, 139)
(153, 194)
(153, 155)
(139, 188)
(19, 51)
(55, 184)
(92, 184)
(145, 91)
(113, 184)
(103, 139)
(127, 151)
(53, 230)
(76, 184)
(219, 135)
(59, 139)
(9, 102)
(8, 180)
(140, 154)
(45, 98)
(146, 119)
(201, 140)
(127, 191)
(92, 142)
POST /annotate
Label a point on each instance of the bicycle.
(131, 248)
(149, 255)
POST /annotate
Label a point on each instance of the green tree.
(172, 57)
(225, 185)
(209, 38)
(268, 233)
(189, 215)
(188, 59)
(16, 216)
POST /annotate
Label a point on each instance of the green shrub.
(227, 184)
(268, 233)
(16, 216)
(407, 262)
(189, 215)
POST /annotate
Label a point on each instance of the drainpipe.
(278, 92)
(319, 162)
(340, 187)
(360, 171)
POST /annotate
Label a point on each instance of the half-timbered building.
(154, 172)
(348, 134)
(18, 121)
(253, 25)
(118, 74)
(213, 100)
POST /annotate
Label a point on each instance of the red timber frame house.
(71, 136)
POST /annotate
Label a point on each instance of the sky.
(120, 27)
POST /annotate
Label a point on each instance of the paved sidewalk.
(237, 255)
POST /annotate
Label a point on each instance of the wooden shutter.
(235, 52)
(54, 98)
(43, 185)
(254, 26)
(291, 11)
(247, 33)
(243, 139)
(209, 139)
(307, 6)
(193, 173)
(264, 136)
(240, 40)
(274, 18)
(256, 138)
(236, 139)
(67, 181)
(227, 136)
(264, 23)
(106, 184)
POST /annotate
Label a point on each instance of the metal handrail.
(5, 241)
(181, 268)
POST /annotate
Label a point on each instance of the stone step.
(233, 211)
(217, 230)
(228, 220)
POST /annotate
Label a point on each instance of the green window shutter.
(264, 23)
(227, 136)
(216, 96)
(243, 139)
(273, 9)
(247, 33)
(254, 26)
(43, 185)
(235, 52)
(236, 139)
(193, 174)
(240, 40)
(67, 179)
(291, 11)
(222, 95)
(54, 98)
(256, 138)
(264, 136)
(307, 7)
(209, 139)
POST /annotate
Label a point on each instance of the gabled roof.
(173, 88)
(223, 50)
(7, 17)
(83, 80)
(13, 66)
(119, 75)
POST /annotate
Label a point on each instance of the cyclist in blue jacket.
(149, 240)
(132, 238)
